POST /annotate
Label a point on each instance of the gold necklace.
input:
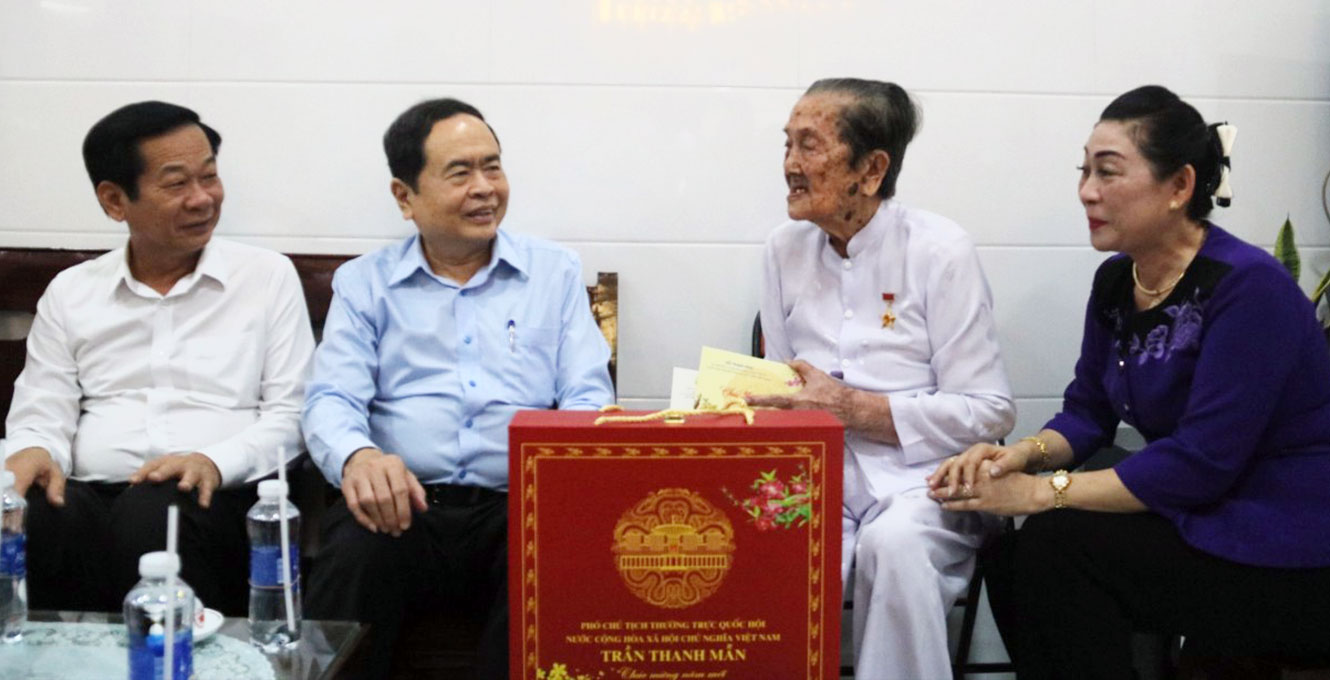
(1159, 291)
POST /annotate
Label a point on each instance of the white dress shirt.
(937, 361)
(118, 374)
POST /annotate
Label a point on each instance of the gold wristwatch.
(1060, 481)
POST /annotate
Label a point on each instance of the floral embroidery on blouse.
(1162, 341)
(1186, 329)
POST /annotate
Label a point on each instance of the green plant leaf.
(1286, 252)
(1320, 289)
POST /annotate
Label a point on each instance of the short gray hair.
(881, 116)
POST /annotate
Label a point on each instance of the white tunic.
(937, 362)
(933, 353)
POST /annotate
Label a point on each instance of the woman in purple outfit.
(1219, 529)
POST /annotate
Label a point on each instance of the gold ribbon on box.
(732, 406)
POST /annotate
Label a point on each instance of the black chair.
(759, 345)
(962, 666)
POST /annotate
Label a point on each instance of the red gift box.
(655, 551)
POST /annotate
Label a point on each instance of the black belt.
(460, 494)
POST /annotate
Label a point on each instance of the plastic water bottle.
(13, 560)
(147, 607)
(268, 626)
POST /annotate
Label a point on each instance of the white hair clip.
(1224, 192)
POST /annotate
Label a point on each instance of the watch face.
(1061, 482)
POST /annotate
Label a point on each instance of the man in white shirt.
(885, 313)
(168, 371)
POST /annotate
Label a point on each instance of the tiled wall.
(646, 133)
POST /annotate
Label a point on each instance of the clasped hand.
(380, 491)
(989, 478)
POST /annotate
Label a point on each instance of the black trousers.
(1070, 588)
(85, 556)
(454, 555)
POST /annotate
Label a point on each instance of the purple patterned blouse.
(1228, 380)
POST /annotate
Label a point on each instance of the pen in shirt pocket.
(512, 335)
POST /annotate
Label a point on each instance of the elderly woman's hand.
(955, 477)
(1010, 494)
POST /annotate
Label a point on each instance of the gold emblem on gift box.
(673, 548)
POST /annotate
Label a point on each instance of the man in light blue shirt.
(429, 348)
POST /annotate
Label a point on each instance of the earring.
(1172, 205)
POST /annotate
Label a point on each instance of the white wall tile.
(1032, 46)
(702, 166)
(341, 40)
(672, 300)
(1008, 174)
(621, 164)
(1032, 413)
(1280, 160)
(1002, 166)
(633, 42)
(44, 188)
(641, 164)
(683, 165)
(94, 39)
(635, 404)
(1039, 297)
(1228, 48)
(320, 171)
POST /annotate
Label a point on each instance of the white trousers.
(911, 561)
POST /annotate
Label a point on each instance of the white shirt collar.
(867, 239)
(212, 264)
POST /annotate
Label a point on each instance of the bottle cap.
(6, 479)
(159, 564)
(270, 489)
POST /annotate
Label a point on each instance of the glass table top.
(91, 645)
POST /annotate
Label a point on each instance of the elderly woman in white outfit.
(885, 313)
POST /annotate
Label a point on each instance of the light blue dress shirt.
(416, 365)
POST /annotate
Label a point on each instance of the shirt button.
(846, 264)
(461, 474)
(845, 363)
(469, 423)
(464, 293)
(1121, 363)
(849, 313)
(472, 383)
(467, 339)
(1126, 407)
